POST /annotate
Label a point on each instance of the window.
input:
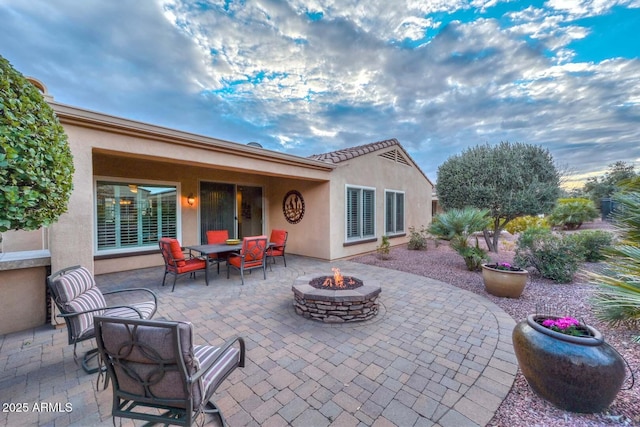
(361, 204)
(134, 215)
(394, 212)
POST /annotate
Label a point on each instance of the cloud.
(309, 76)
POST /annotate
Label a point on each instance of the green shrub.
(458, 222)
(571, 213)
(593, 243)
(417, 239)
(617, 298)
(36, 165)
(384, 248)
(473, 256)
(556, 257)
(521, 223)
(457, 225)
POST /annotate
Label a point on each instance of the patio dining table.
(216, 248)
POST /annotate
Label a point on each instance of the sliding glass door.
(217, 208)
(237, 209)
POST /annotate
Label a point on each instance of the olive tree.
(36, 165)
(508, 179)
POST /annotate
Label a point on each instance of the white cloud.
(302, 75)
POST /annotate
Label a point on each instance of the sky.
(305, 77)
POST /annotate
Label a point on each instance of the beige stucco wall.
(71, 237)
(371, 170)
(310, 236)
(22, 299)
(21, 240)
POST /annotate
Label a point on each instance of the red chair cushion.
(236, 261)
(278, 237)
(192, 265)
(217, 236)
(176, 252)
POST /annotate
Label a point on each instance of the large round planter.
(504, 283)
(578, 374)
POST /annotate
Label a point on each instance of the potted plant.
(568, 362)
(504, 280)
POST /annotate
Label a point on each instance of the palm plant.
(617, 299)
(457, 225)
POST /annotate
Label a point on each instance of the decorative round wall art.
(293, 206)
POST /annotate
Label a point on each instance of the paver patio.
(435, 355)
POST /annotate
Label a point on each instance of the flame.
(338, 280)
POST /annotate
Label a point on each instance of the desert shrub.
(473, 256)
(384, 248)
(617, 299)
(521, 223)
(417, 238)
(556, 257)
(593, 243)
(571, 213)
(457, 225)
(458, 222)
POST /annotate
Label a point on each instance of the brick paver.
(434, 356)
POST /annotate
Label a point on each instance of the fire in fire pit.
(337, 281)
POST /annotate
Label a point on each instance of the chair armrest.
(239, 254)
(118, 291)
(223, 349)
(63, 315)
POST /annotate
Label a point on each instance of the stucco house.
(136, 182)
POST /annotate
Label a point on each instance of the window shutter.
(399, 212)
(368, 213)
(353, 223)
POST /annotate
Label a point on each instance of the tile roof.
(339, 156)
(351, 152)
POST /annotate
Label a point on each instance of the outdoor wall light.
(191, 199)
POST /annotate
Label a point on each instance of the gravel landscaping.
(522, 407)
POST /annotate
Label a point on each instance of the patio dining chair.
(78, 299)
(251, 256)
(277, 245)
(176, 263)
(217, 237)
(157, 373)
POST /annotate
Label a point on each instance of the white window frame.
(360, 235)
(396, 231)
(139, 182)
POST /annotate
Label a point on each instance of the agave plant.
(457, 225)
(617, 299)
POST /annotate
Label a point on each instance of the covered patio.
(434, 355)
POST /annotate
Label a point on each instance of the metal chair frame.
(122, 370)
(75, 336)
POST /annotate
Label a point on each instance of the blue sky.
(310, 76)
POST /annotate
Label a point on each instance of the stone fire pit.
(335, 305)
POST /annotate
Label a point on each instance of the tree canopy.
(508, 179)
(36, 165)
(601, 187)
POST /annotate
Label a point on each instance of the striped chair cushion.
(83, 323)
(73, 284)
(146, 309)
(219, 371)
(77, 292)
